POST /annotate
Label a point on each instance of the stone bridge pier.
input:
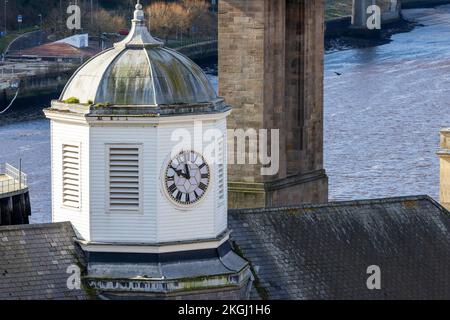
(271, 73)
(391, 11)
(359, 12)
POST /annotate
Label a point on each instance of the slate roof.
(323, 251)
(34, 261)
(302, 252)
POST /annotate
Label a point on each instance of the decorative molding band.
(225, 282)
(154, 248)
(443, 152)
(296, 180)
(111, 120)
(104, 257)
(264, 187)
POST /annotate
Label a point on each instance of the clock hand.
(178, 172)
(187, 172)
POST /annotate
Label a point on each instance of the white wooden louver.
(221, 170)
(71, 175)
(124, 179)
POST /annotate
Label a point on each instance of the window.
(124, 178)
(71, 175)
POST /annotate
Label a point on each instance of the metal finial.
(138, 13)
(139, 35)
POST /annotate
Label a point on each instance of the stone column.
(359, 14)
(271, 73)
(444, 156)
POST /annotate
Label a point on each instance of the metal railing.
(11, 179)
(187, 41)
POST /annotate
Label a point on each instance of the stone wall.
(444, 155)
(271, 73)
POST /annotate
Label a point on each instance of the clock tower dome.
(139, 168)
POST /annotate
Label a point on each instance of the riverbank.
(337, 9)
(340, 36)
(413, 4)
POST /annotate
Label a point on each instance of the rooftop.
(34, 261)
(297, 252)
(58, 50)
(323, 251)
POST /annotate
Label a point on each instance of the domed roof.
(140, 71)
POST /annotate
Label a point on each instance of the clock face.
(187, 178)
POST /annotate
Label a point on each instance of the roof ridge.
(340, 204)
(35, 226)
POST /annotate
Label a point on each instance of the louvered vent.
(124, 179)
(71, 176)
(221, 170)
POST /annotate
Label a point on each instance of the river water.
(382, 118)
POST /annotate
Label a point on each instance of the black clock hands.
(187, 181)
(188, 174)
(180, 173)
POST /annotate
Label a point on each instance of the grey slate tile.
(323, 251)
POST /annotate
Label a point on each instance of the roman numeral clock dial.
(187, 178)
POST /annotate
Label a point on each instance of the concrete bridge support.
(393, 13)
(390, 12)
(271, 73)
(15, 208)
(359, 13)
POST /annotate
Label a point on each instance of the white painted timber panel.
(70, 134)
(221, 182)
(126, 226)
(198, 222)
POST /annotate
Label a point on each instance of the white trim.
(52, 167)
(94, 120)
(162, 248)
(66, 117)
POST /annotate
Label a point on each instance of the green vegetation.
(102, 104)
(10, 36)
(342, 8)
(182, 22)
(72, 100)
(337, 9)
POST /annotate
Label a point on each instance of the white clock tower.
(139, 169)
